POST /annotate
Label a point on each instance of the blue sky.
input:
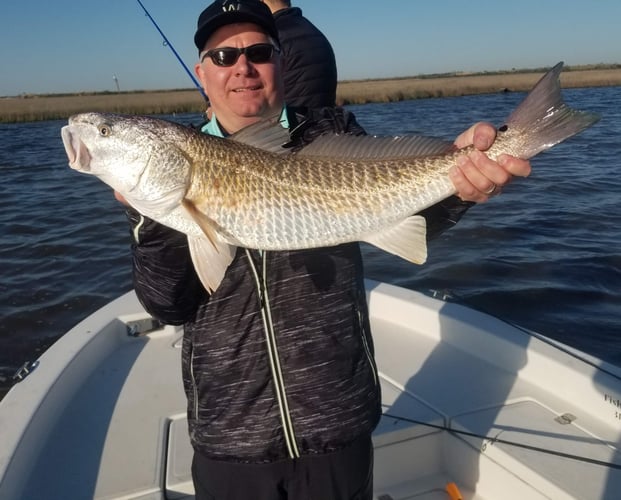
(80, 45)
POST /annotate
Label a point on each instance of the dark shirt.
(309, 65)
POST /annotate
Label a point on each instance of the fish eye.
(105, 130)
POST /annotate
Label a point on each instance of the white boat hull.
(103, 414)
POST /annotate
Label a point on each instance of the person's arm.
(163, 274)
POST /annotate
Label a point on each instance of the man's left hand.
(476, 177)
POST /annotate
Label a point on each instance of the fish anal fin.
(406, 239)
(210, 261)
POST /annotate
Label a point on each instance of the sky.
(64, 46)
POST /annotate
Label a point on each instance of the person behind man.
(278, 367)
(306, 57)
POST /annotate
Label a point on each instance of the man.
(278, 364)
(306, 56)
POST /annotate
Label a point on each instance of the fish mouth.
(77, 152)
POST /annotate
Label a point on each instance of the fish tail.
(544, 118)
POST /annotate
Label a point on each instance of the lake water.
(545, 255)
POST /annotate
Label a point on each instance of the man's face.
(245, 92)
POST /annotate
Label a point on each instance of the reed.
(50, 107)
(397, 89)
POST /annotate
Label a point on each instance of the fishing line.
(494, 440)
(169, 45)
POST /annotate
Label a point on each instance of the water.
(545, 254)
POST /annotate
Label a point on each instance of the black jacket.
(278, 362)
(309, 65)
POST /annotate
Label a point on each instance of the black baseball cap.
(223, 12)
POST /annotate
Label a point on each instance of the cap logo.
(230, 7)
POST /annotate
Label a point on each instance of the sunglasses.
(258, 53)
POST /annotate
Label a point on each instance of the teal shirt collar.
(213, 128)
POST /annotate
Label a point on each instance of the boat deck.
(118, 428)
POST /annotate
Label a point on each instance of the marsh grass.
(49, 107)
(398, 89)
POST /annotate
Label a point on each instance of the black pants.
(343, 475)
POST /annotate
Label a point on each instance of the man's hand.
(476, 177)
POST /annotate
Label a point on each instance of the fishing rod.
(493, 440)
(167, 43)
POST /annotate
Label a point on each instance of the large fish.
(248, 191)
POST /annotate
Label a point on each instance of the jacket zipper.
(367, 350)
(272, 350)
(193, 381)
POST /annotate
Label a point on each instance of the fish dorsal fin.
(367, 146)
(268, 134)
(210, 261)
(406, 239)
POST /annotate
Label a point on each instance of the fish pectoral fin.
(210, 261)
(407, 239)
(158, 207)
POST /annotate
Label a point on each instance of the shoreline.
(51, 107)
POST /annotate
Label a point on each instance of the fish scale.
(354, 196)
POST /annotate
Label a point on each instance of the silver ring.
(491, 190)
